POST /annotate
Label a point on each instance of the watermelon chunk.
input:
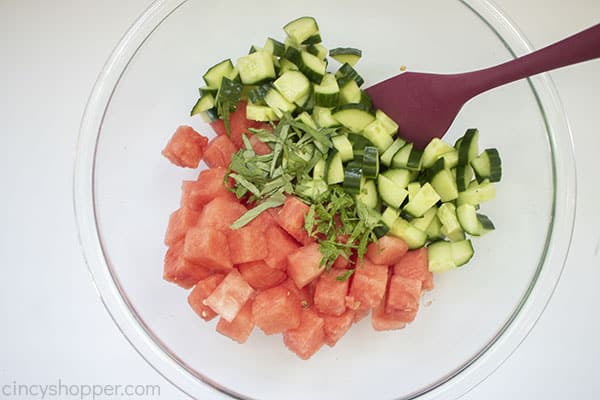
(387, 250)
(330, 293)
(260, 276)
(428, 282)
(263, 222)
(336, 327)
(246, 244)
(403, 294)
(219, 152)
(209, 186)
(369, 283)
(303, 296)
(414, 264)
(382, 321)
(304, 264)
(291, 219)
(275, 310)
(198, 295)
(186, 147)
(279, 245)
(180, 221)
(220, 213)
(208, 247)
(180, 271)
(308, 337)
(230, 296)
(241, 327)
(341, 262)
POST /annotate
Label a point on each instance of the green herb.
(345, 275)
(228, 97)
(272, 202)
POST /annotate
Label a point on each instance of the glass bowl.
(469, 324)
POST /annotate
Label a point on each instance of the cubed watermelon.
(387, 250)
(414, 264)
(186, 147)
(198, 295)
(336, 327)
(382, 321)
(403, 294)
(428, 282)
(330, 293)
(291, 219)
(369, 283)
(304, 264)
(308, 337)
(246, 244)
(180, 271)
(241, 327)
(276, 310)
(220, 213)
(263, 222)
(260, 276)
(180, 221)
(341, 262)
(219, 152)
(279, 245)
(208, 247)
(303, 296)
(209, 186)
(230, 296)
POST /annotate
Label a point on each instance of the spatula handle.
(582, 46)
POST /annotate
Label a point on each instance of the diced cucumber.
(311, 66)
(204, 103)
(434, 150)
(464, 174)
(400, 159)
(335, 168)
(488, 166)
(260, 113)
(471, 222)
(353, 178)
(368, 194)
(347, 73)
(359, 143)
(305, 118)
(323, 117)
(462, 252)
(443, 181)
(392, 194)
(468, 146)
(370, 162)
(318, 50)
(414, 159)
(450, 225)
(477, 194)
(292, 85)
(389, 125)
(301, 29)
(350, 92)
(423, 222)
(425, 198)
(375, 133)
(414, 237)
(286, 65)
(434, 230)
(389, 216)
(258, 93)
(319, 169)
(388, 155)
(413, 188)
(274, 47)
(327, 92)
(346, 55)
(343, 146)
(205, 90)
(450, 159)
(354, 117)
(256, 67)
(215, 74)
(399, 176)
(278, 103)
(440, 257)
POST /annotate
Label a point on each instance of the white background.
(52, 322)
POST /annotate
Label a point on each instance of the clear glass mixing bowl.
(478, 315)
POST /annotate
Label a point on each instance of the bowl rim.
(454, 384)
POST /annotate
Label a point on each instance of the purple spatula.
(424, 105)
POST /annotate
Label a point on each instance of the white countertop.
(52, 323)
